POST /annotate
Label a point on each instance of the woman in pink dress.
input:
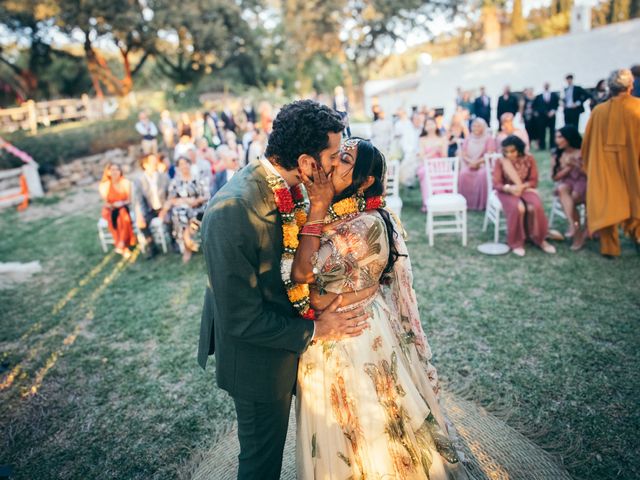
(472, 183)
(515, 178)
(571, 181)
(432, 145)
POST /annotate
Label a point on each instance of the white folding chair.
(392, 188)
(494, 207)
(105, 237)
(160, 233)
(443, 198)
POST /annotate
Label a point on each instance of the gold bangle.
(309, 234)
(315, 222)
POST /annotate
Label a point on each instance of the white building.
(589, 55)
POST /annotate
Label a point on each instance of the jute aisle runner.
(493, 450)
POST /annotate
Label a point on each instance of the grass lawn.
(99, 378)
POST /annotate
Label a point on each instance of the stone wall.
(87, 170)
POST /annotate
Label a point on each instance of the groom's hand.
(332, 325)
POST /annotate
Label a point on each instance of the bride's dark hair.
(370, 162)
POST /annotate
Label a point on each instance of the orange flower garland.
(291, 205)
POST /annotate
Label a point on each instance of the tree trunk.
(518, 23)
(127, 81)
(91, 66)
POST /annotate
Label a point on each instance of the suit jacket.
(142, 193)
(542, 108)
(509, 105)
(250, 113)
(220, 179)
(482, 111)
(228, 120)
(247, 319)
(579, 95)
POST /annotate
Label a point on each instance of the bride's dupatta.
(401, 297)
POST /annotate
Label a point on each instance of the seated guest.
(200, 167)
(205, 153)
(115, 190)
(257, 147)
(430, 145)
(508, 128)
(571, 181)
(150, 195)
(458, 131)
(184, 126)
(187, 200)
(231, 164)
(184, 145)
(472, 183)
(231, 140)
(515, 178)
(382, 132)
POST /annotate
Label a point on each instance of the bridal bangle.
(312, 230)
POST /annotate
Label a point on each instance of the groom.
(247, 319)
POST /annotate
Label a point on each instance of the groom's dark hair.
(301, 127)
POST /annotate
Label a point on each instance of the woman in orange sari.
(115, 190)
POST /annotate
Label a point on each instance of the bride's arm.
(320, 193)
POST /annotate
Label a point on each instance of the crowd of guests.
(421, 135)
(185, 160)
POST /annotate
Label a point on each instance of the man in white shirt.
(149, 133)
(150, 194)
(231, 166)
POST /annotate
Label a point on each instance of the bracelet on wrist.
(307, 234)
(314, 230)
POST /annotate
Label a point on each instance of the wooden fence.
(32, 115)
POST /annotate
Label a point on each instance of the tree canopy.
(299, 45)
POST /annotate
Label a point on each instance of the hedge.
(66, 142)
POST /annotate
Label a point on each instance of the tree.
(619, 10)
(123, 22)
(27, 20)
(518, 23)
(198, 37)
(351, 33)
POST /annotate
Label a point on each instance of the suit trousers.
(572, 116)
(547, 124)
(262, 431)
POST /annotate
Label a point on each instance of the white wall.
(590, 56)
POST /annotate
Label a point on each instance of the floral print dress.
(182, 215)
(367, 406)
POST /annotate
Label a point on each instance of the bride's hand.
(320, 189)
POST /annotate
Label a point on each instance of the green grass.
(549, 343)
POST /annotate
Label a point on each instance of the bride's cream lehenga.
(367, 406)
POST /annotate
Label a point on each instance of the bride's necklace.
(352, 205)
(291, 205)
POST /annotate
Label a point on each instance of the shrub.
(63, 143)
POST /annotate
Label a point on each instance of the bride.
(367, 406)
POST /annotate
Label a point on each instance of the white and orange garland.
(292, 208)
